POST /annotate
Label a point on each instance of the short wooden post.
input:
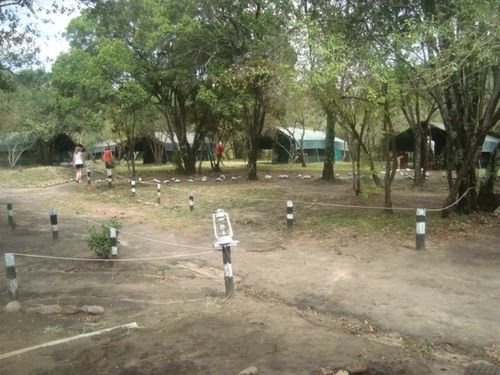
(53, 222)
(88, 176)
(289, 214)
(420, 240)
(158, 193)
(114, 242)
(132, 187)
(10, 271)
(10, 213)
(228, 269)
(191, 201)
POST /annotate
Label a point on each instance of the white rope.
(113, 260)
(65, 340)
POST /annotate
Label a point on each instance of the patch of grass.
(162, 269)
(53, 330)
(35, 176)
(422, 347)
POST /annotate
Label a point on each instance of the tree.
(453, 48)
(255, 54)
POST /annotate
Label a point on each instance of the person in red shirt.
(107, 158)
(219, 149)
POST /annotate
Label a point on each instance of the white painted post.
(88, 175)
(420, 240)
(53, 222)
(10, 271)
(114, 242)
(289, 214)
(191, 202)
(158, 193)
(132, 187)
(10, 213)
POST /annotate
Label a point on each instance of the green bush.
(98, 238)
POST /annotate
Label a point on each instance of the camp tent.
(289, 140)
(405, 142)
(490, 144)
(171, 145)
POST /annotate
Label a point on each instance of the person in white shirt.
(78, 163)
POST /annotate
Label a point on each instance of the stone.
(342, 372)
(12, 306)
(46, 309)
(70, 310)
(249, 371)
(92, 309)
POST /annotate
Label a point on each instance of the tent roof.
(313, 139)
(490, 143)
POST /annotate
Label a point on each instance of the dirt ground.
(303, 304)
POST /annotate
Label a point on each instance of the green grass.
(259, 204)
(35, 176)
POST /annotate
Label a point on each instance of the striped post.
(228, 269)
(53, 222)
(420, 241)
(109, 178)
(10, 213)
(158, 193)
(10, 272)
(132, 186)
(88, 176)
(114, 242)
(289, 214)
(191, 201)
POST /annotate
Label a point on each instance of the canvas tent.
(171, 146)
(405, 142)
(290, 140)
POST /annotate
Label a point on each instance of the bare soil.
(303, 303)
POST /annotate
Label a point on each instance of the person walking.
(107, 158)
(78, 163)
(219, 149)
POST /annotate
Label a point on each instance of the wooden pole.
(53, 222)
(114, 242)
(10, 213)
(289, 214)
(228, 269)
(132, 187)
(191, 201)
(420, 229)
(158, 193)
(10, 271)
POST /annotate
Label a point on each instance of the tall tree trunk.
(254, 124)
(328, 171)
(487, 201)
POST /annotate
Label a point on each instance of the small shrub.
(98, 238)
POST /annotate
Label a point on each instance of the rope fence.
(10, 260)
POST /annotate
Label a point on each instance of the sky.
(51, 41)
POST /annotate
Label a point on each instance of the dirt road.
(302, 305)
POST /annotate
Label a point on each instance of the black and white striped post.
(114, 242)
(10, 271)
(158, 193)
(223, 233)
(132, 187)
(289, 214)
(228, 269)
(10, 213)
(88, 175)
(420, 230)
(53, 223)
(191, 201)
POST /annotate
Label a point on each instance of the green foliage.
(98, 238)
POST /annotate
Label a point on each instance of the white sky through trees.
(51, 27)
